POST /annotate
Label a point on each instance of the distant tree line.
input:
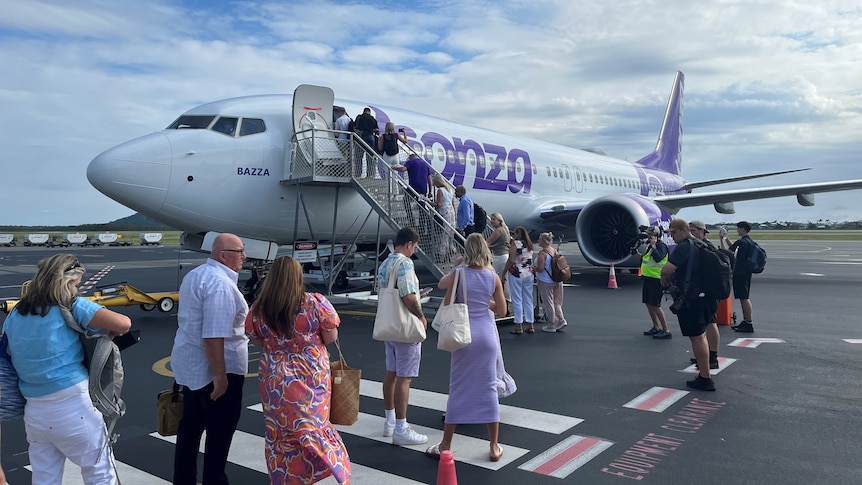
(135, 222)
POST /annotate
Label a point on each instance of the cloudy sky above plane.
(770, 85)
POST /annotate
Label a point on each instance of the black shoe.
(713, 364)
(744, 327)
(734, 327)
(651, 332)
(661, 334)
(701, 383)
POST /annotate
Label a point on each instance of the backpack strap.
(547, 266)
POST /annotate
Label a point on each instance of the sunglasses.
(75, 265)
(234, 250)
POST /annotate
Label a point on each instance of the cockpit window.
(192, 122)
(226, 125)
(250, 126)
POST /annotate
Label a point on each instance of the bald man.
(210, 360)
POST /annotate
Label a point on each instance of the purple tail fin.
(667, 156)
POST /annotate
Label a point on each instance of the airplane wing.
(724, 199)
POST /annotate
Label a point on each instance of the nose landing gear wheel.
(147, 307)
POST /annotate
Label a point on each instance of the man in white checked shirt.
(210, 359)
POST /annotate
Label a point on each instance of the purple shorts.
(403, 358)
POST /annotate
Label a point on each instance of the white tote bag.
(394, 322)
(452, 320)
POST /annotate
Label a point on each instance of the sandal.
(433, 451)
(499, 455)
(517, 330)
(531, 329)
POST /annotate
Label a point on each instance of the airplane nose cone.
(135, 174)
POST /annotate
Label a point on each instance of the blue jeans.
(219, 418)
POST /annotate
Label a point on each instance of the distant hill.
(134, 222)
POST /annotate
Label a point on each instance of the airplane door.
(312, 105)
(566, 175)
(578, 181)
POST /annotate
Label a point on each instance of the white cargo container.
(75, 238)
(107, 238)
(36, 239)
(151, 238)
(7, 239)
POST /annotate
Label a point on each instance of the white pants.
(522, 298)
(66, 425)
(499, 264)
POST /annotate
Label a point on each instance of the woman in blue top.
(59, 417)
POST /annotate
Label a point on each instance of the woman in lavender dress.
(473, 371)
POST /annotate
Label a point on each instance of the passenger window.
(555, 172)
(535, 170)
(226, 126)
(250, 126)
(549, 171)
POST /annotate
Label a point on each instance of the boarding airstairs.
(320, 157)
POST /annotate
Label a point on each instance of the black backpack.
(480, 218)
(351, 126)
(716, 271)
(390, 144)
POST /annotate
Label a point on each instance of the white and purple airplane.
(220, 166)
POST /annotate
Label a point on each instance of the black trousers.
(219, 418)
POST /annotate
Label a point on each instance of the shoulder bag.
(394, 322)
(344, 407)
(452, 320)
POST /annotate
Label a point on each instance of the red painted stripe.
(653, 401)
(566, 456)
(309, 108)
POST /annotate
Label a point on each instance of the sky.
(770, 84)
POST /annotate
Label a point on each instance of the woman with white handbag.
(473, 395)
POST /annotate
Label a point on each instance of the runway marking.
(466, 449)
(128, 474)
(247, 450)
(656, 399)
(812, 274)
(566, 456)
(511, 415)
(723, 362)
(853, 340)
(752, 343)
(839, 262)
(84, 288)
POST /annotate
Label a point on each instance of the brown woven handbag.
(344, 407)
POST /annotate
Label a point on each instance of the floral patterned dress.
(302, 446)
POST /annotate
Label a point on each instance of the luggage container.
(76, 239)
(36, 239)
(148, 238)
(8, 240)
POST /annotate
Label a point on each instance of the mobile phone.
(127, 339)
(425, 291)
(401, 130)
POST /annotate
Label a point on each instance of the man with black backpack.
(692, 306)
(744, 248)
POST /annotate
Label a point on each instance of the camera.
(644, 232)
(679, 300)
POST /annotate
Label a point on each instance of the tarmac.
(596, 403)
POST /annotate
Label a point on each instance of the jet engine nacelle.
(607, 228)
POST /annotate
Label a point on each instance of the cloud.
(769, 85)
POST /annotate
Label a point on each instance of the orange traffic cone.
(612, 278)
(446, 469)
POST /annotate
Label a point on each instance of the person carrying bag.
(394, 322)
(452, 320)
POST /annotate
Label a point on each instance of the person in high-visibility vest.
(655, 254)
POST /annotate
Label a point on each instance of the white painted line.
(853, 340)
(812, 274)
(511, 415)
(723, 362)
(656, 399)
(839, 262)
(753, 343)
(247, 450)
(128, 475)
(465, 448)
(566, 456)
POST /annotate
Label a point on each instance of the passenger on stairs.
(444, 202)
(419, 179)
(366, 125)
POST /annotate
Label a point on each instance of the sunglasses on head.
(75, 265)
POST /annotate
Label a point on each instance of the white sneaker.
(388, 429)
(408, 437)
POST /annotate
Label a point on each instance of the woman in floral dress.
(293, 327)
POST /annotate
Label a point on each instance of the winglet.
(667, 156)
